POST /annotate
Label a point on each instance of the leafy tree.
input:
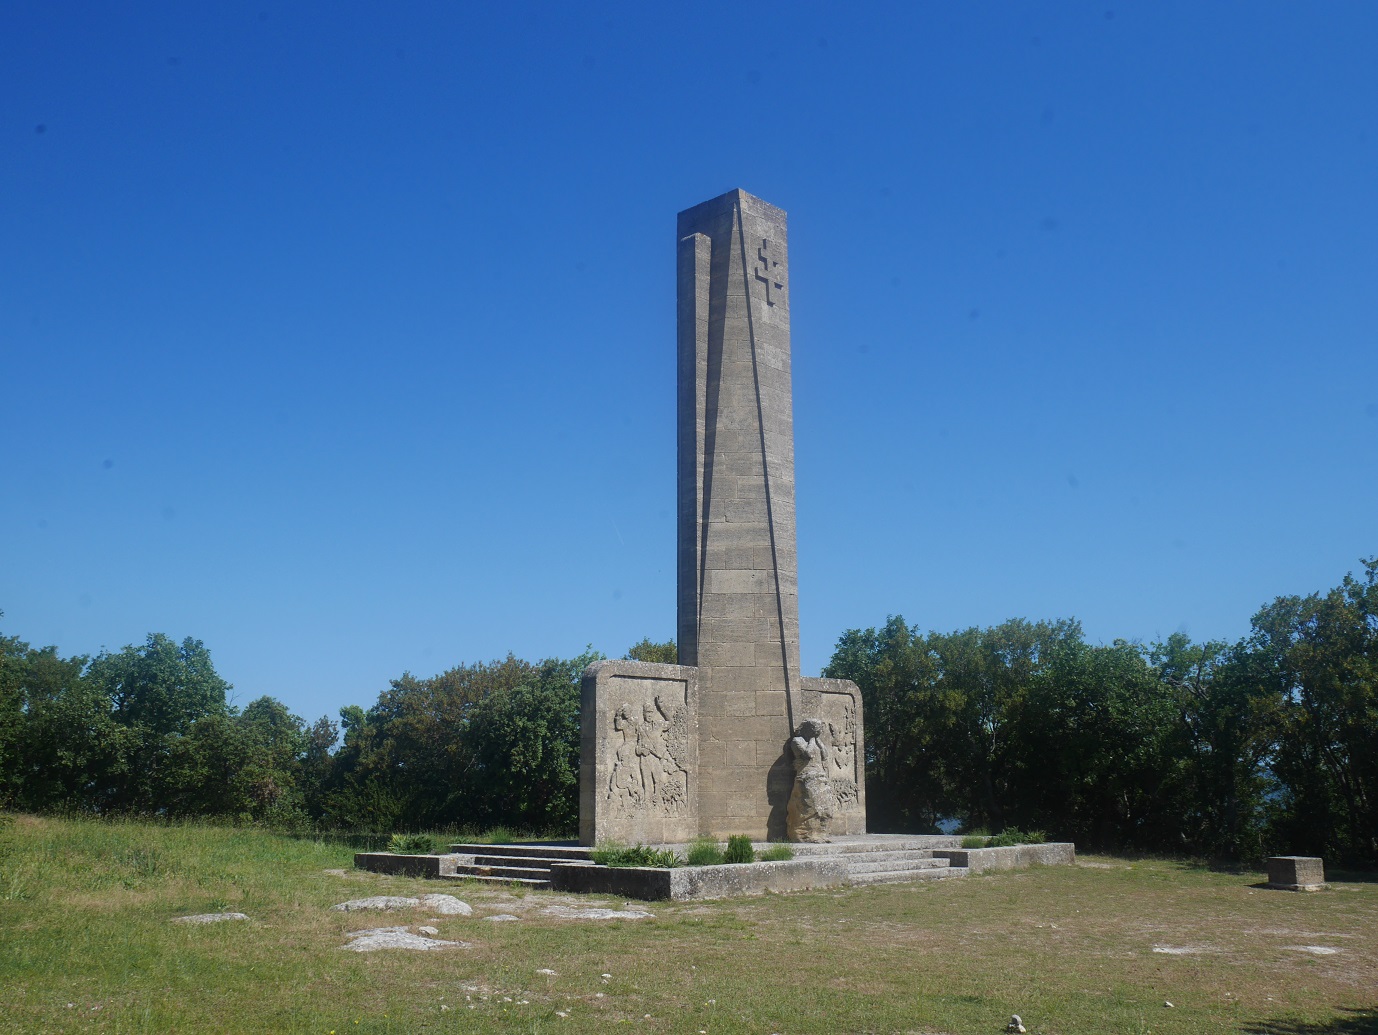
(13, 657)
(316, 764)
(906, 719)
(1096, 732)
(526, 749)
(155, 693)
(985, 677)
(408, 761)
(71, 750)
(939, 710)
(1319, 656)
(658, 653)
(1226, 736)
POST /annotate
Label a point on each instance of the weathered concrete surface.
(686, 883)
(697, 882)
(208, 918)
(641, 882)
(854, 860)
(407, 865)
(638, 753)
(1296, 873)
(1015, 857)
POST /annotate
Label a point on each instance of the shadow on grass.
(1351, 1022)
(1335, 876)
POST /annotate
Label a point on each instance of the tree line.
(1228, 750)
(150, 730)
(1225, 750)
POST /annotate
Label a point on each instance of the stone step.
(556, 853)
(902, 876)
(538, 861)
(897, 855)
(897, 865)
(853, 848)
(505, 872)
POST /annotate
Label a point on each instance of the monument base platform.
(846, 861)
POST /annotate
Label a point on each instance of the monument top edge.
(737, 195)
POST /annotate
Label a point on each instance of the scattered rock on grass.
(427, 929)
(595, 914)
(208, 918)
(395, 938)
(499, 917)
(385, 902)
(446, 905)
(1315, 950)
(1016, 1026)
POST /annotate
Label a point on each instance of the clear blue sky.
(341, 336)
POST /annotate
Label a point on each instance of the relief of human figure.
(624, 786)
(645, 771)
(812, 803)
(662, 777)
(842, 748)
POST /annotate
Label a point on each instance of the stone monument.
(671, 752)
(1296, 873)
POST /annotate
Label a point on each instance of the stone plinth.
(1296, 873)
(1010, 857)
(639, 753)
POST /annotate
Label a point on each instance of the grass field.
(86, 946)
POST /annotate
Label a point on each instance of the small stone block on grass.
(1296, 873)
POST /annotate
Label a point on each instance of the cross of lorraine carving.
(769, 272)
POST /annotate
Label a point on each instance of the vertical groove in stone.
(694, 255)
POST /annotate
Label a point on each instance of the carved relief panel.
(836, 703)
(638, 766)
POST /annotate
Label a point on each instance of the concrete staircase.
(524, 864)
(873, 859)
(893, 860)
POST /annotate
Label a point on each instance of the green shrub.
(780, 852)
(411, 844)
(739, 850)
(614, 854)
(975, 840)
(705, 852)
(1011, 836)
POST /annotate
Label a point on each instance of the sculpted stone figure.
(645, 771)
(625, 784)
(812, 803)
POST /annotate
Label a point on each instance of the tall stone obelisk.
(669, 752)
(738, 573)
